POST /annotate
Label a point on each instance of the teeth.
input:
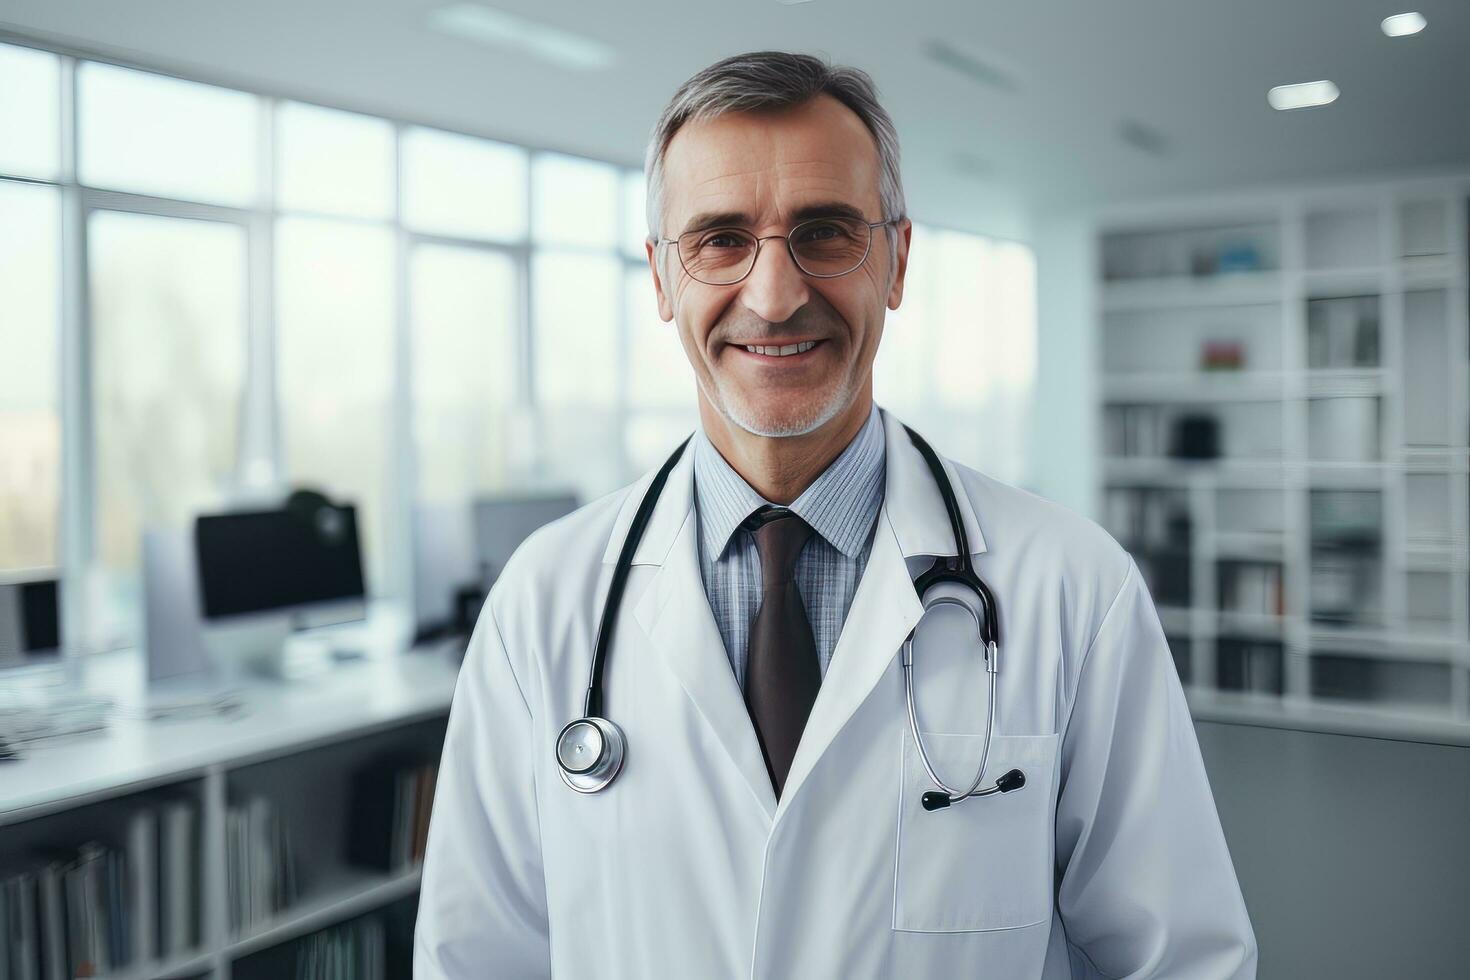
(800, 348)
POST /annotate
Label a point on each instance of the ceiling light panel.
(1402, 25)
(496, 28)
(1302, 95)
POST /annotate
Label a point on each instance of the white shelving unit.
(1312, 349)
(298, 744)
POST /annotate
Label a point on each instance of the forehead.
(767, 163)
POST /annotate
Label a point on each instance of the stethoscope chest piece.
(589, 754)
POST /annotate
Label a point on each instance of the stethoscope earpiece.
(935, 800)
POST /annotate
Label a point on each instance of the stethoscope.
(590, 751)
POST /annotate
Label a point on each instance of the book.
(142, 885)
(177, 849)
(52, 921)
(22, 940)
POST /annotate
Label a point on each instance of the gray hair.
(773, 80)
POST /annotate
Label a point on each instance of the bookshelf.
(1284, 387)
(294, 751)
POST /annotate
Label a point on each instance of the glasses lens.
(830, 246)
(717, 256)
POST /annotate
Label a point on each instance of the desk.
(297, 740)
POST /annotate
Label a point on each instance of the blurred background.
(309, 313)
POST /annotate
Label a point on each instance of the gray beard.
(750, 422)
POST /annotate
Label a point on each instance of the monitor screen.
(277, 559)
(30, 621)
(502, 523)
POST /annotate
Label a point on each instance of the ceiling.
(1041, 134)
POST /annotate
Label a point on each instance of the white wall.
(1065, 430)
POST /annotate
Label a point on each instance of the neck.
(779, 468)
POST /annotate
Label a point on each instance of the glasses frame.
(761, 240)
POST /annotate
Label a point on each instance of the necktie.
(782, 674)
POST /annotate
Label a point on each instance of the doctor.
(768, 817)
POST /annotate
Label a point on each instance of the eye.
(820, 232)
(723, 238)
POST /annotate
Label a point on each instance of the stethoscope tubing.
(959, 570)
(992, 668)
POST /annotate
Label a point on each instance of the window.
(333, 162)
(466, 362)
(578, 364)
(30, 113)
(461, 186)
(659, 375)
(30, 421)
(958, 357)
(635, 218)
(577, 349)
(576, 202)
(166, 137)
(334, 363)
(168, 335)
(279, 295)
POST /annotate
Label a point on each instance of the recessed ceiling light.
(1302, 95)
(1402, 25)
(1142, 136)
(970, 64)
(973, 165)
(500, 29)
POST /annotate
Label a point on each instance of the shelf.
(1435, 459)
(1368, 285)
(352, 894)
(1431, 272)
(1263, 474)
(1176, 620)
(1257, 545)
(1335, 475)
(1348, 281)
(1194, 386)
(278, 719)
(1441, 727)
(1230, 289)
(1345, 382)
(1253, 626)
(303, 738)
(1381, 643)
(1434, 559)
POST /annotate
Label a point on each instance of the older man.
(753, 793)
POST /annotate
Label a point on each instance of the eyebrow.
(726, 219)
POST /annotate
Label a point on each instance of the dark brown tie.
(781, 670)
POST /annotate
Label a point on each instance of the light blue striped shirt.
(841, 505)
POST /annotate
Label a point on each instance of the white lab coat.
(1110, 862)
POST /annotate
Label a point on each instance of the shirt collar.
(840, 504)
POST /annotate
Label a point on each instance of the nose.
(775, 288)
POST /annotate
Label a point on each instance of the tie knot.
(779, 537)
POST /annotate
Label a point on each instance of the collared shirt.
(842, 507)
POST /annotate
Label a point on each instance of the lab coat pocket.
(984, 863)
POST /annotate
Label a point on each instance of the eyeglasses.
(823, 248)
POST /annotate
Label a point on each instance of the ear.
(904, 231)
(665, 305)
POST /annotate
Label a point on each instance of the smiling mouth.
(778, 350)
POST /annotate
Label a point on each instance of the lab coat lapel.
(885, 607)
(675, 613)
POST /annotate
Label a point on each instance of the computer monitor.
(444, 563)
(502, 523)
(30, 620)
(301, 560)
